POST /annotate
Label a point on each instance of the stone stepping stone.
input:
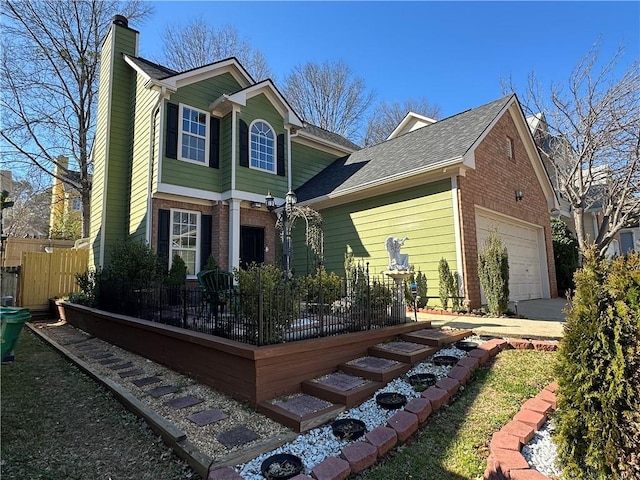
(141, 382)
(405, 347)
(183, 402)
(161, 391)
(107, 361)
(374, 363)
(237, 436)
(131, 373)
(87, 346)
(342, 381)
(207, 416)
(100, 356)
(121, 366)
(303, 405)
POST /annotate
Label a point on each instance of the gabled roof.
(321, 133)
(152, 70)
(410, 122)
(428, 148)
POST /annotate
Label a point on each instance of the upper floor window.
(192, 142)
(76, 204)
(262, 146)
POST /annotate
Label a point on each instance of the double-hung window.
(262, 146)
(193, 143)
(185, 229)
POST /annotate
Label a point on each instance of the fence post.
(368, 308)
(260, 311)
(321, 300)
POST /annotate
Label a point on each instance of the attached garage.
(528, 273)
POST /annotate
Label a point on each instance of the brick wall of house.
(492, 185)
(220, 224)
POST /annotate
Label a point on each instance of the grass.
(59, 424)
(454, 443)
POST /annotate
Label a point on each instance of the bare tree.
(49, 71)
(329, 96)
(593, 142)
(197, 43)
(29, 215)
(387, 116)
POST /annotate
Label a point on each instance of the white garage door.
(526, 255)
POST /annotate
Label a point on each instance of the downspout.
(154, 111)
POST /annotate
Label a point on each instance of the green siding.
(424, 214)
(142, 105)
(225, 152)
(199, 95)
(249, 179)
(308, 162)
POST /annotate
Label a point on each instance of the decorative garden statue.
(397, 261)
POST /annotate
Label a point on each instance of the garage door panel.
(521, 240)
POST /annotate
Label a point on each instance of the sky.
(453, 54)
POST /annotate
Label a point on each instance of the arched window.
(262, 146)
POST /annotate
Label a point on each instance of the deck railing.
(297, 310)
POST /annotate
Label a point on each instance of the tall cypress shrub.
(565, 253)
(493, 269)
(598, 417)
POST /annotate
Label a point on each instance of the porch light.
(519, 195)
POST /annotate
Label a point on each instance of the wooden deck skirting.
(244, 371)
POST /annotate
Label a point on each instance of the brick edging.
(358, 456)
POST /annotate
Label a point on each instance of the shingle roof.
(330, 136)
(433, 144)
(154, 70)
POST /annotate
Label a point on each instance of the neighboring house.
(551, 148)
(65, 220)
(183, 161)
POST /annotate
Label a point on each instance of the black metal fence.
(265, 314)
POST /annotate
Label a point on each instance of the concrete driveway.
(544, 321)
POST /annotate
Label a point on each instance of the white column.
(234, 234)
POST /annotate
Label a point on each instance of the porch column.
(234, 234)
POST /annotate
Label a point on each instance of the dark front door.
(251, 245)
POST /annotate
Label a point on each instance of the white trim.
(207, 134)
(306, 138)
(289, 160)
(275, 148)
(234, 145)
(154, 119)
(410, 118)
(188, 192)
(456, 226)
(234, 234)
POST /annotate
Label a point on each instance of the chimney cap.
(120, 20)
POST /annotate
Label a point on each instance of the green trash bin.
(12, 320)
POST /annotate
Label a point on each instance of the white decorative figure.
(397, 261)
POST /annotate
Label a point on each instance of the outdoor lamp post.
(289, 202)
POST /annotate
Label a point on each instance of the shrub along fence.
(263, 310)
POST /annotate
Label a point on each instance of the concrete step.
(341, 388)
(300, 412)
(375, 368)
(436, 337)
(401, 351)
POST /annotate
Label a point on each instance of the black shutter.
(244, 144)
(214, 143)
(172, 131)
(280, 149)
(205, 239)
(163, 235)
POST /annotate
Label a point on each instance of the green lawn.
(59, 424)
(453, 444)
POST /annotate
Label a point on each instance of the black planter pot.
(391, 400)
(348, 428)
(423, 379)
(466, 346)
(445, 360)
(282, 466)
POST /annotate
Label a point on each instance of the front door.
(251, 245)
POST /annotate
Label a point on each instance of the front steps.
(323, 398)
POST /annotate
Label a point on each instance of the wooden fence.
(47, 275)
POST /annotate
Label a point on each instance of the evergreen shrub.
(565, 253)
(493, 269)
(598, 371)
(444, 277)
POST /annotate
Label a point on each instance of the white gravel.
(317, 444)
(541, 452)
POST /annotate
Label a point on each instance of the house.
(183, 161)
(65, 219)
(552, 147)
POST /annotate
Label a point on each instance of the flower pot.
(423, 379)
(391, 400)
(282, 466)
(466, 346)
(445, 360)
(348, 428)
